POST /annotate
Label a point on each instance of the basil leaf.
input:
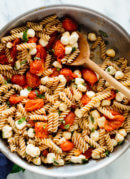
(44, 126)
(20, 121)
(84, 161)
(5, 82)
(25, 37)
(53, 50)
(120, 143)
(67, 126)
(41, 96)
(107, 153)
(17, 168)
(108, 69)
(36, 92)
(106, 42)
(58, 69)
(23, 62)
(73, 49)
(117, 91)
(29, 88)
(8, 103)
(93, 129)
(8, 80)
(59, 112)
(37, 58)
(103, 34)
(92, 119)
(55, 162)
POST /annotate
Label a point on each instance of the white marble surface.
(118, 10)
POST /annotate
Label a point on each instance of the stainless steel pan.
(119, 40)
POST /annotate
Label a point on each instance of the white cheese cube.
(119, 137)
(32, 150)
(65, 39)
(44, 80)
(63, 107)
(79, 81)
(107, 84)
(119, 96)
(92, 37)
(110, 70)
(119, 75)
(114, 142)
(43, 42)
(68, 50)
(97, 104)
(73, 38)
(67, 135)
(82, 88)
(37, 161)
(95, 156)
(6, 131)
(90, 94)
(56, 64)
(50, 157)
(75, 45)
(60, 162)
(31, 132)
(95, 136)
(111, 53)
(106, 102)
(77, 159)
(33, 51)
(17, 65)
(78, 113)
(122, 132)
(62, 140)
(62, 78)
(20, 125)
(101, 121)
(92, 123)
(30, 33)
(9, 45)
(78, 73)
(24, 92)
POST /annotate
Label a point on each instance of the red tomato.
(67, 146)
(52, 40)
(114, 112)
(41, 52)
(3, 60)
(88, 153)
(33, 40)
(85, 99)
(34, 104)
(31, 122)
(89, 76)
(59, 49)
(16, 42)
(32, 94)
(37, 67)
(69, 24)
(32, 80)
(16, 99)
(69, 75)
(18, 79)
(41, 129)
(45, 152)
(55, 72)
(69, 119)
(113, 95)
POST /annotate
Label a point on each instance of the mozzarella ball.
(114, 142)
(17, 65)
(24, 92)
(90, 94)
(92, 37)
(20, 125)
(79, 81)
(78, 113)
(110, 53)
(32, 150)
(44, 80)
(30, 33)
(37, 161)
(66, 34)
(106, 102)
(62, 140)
(78, 96)
(6, 131)
(110, 70)
(60, 162)
(119, 96)
(56, 64)
(92, 124)
(107, 84)
(65, 39)
(119, 75)
(9, 45)
(95, 136)
(78, 73)
(119, 137)
(122, 132)
(33, 51)
(63, 107)
(31, 132)
(67, 135)
(75, 45)
(50, 157)
(62, 79)
(68, 50)
(43, 42)
(101, 121)
(77, 159)
(95, 156)
(73, 38)
(97, 104)
(82, 88)
(21, 35)
(95, 114)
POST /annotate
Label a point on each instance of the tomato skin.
(33, 40)
(18, 79)
(16, 41)
(52, 40)
(34, 104)
(67, 146)
(3, 60)
(55, 72)
(15, 99)
(85, 99)
(41, 52)
(41, 130)
(88, 153)
(59, 49)
(31, 122)
(68, 74)
(44, 153)
(113, 95)
(69, 119)
(69, 24)
(32, 95)
(90, 76)
(32, 80)
(37, 67)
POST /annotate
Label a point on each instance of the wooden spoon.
(84, 60)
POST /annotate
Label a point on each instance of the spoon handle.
(117, 85)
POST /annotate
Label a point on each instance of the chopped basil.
(63, 121)
(23, 62)
(25, 37)
(73, 80)
(93, 129)
(84, 161)
(8, 103)
(29, 88)
(41, 96)
(15, 66)
(55, 162)
(58, 69)
(68, 162)
(84, 84)
(117, 91)
(67, 126)
(120, 143)
(36, 92)
(20, 121)
(107, 153)
(53, 50)
(108, 69)
(73, 49)
(59, 112)
(6, 82)
(92, 119)
(103, 34)
(37, 58)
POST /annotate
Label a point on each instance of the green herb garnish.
(103, 34)
(67, 126)
(6, 82)
(59, 112)
(29, 88)
(117, 91)
(23, 62)
(44, 126)
(68, 162)
(120, 143)
(108, 69)
(107, 153)
(92, 119)
(84, 161)
(73, 49)
(93, 129)
(41, 96)
(53, 50)
(37, 58)
(25, 37)
(36, 92)
(63, 121)
(58, 69)
(73, 80)
(8, 103)
(17, 168)
(84, 84)
(55, 162)
(20, 121)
